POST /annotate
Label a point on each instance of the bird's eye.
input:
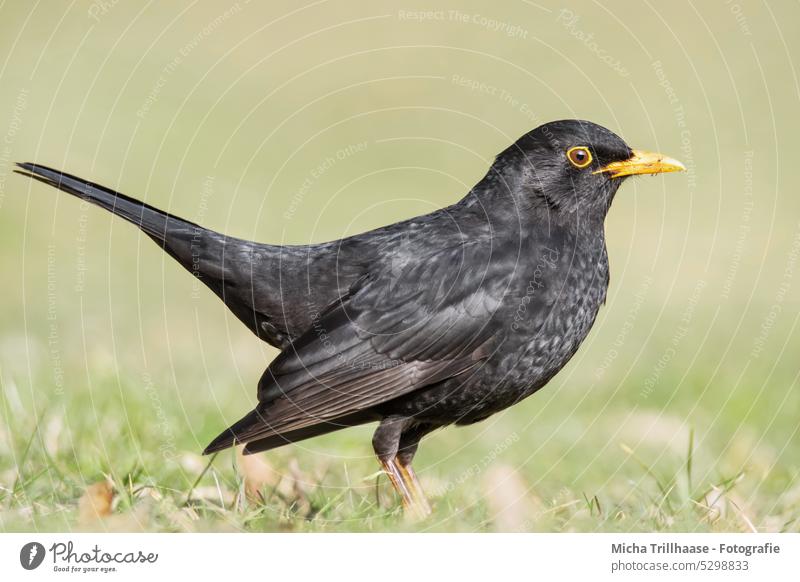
(580, 157)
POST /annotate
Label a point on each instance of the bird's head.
(572, 164)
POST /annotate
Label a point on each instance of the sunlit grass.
(624, 470)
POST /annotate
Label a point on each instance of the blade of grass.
(199, 477)
(689, 458)
(665, 491)
(26, 450)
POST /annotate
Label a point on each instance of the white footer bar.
(400, 557)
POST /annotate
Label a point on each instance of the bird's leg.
(409, 442)
(385, 442)
(419, 503)
(398, 482)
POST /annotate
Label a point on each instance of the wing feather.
(410, 324)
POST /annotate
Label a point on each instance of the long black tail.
(154, 222)
(223, 263)
(235, 434)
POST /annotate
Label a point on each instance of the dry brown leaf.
(95, 503)
(300, 487)
(184, 518)
(215, 495)
(52, 435)
(193, 463)
(512, 505)
(138, 519)
(257, 474)
(652, 429)
(300, 481)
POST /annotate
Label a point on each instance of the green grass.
(679, 413)
(553, 463)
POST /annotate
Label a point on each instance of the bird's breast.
(553, 304)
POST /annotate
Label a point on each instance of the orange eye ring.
(579, 156)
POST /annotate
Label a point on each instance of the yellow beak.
(642, 163)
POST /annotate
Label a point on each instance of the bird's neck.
(518, 218)
(508, 197)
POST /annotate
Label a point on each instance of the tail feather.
(236, 433)
(222, 263)
(156, 223)
(252, 430)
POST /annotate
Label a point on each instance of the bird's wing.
(415, 322)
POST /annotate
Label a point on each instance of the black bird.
(441, 319)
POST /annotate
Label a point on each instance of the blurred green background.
(292, 123)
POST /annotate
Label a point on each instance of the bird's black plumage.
(441, 319)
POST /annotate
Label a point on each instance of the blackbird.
(441, 319)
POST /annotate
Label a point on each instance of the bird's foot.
(415, 506)
(419, 503)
